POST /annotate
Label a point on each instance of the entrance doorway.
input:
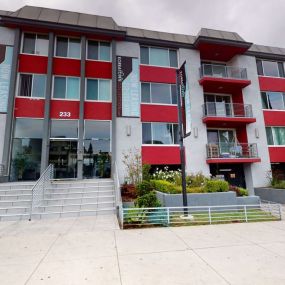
(63, 155)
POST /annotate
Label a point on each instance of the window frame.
(168, 49)
(66, 99)
(273, 136)
(99, 47)
(151, 132)
(267, 100)
(68, 38)
(35, 54)
(277, 62)
(98, 88)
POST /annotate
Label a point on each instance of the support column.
(80, 150)
(46, 124)
(114, 103)
(10, 107)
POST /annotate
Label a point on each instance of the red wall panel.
(274, 118)
(157, 74)
(272, 84)
(277, 154)
(241, 134)
(159, 113)
(98, 69)
(161, 154)
(32, 63)
(66, 66)
(98, 111)
(29, 107)
(61, 109)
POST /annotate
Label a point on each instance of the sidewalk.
(92, 250)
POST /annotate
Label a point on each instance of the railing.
(2, 169)
(223, 71)
(201, 215)
(222, 109)
(38, 191)
(118, 197)
(232, 150)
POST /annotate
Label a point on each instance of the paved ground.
(92, 250)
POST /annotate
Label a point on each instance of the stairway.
(62, 199)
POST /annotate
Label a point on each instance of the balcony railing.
(222, 109)
(214, 70)
(232, 150)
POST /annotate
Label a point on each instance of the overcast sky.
(258, 21)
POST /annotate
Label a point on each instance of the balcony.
(232, 153)
(222, 78)
(217, 114)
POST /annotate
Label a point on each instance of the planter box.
(271, 194)
(206, 199)
(128, 204)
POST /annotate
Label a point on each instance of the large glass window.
(158, 56)
(32, 85)
(64, 129)
(26, 149)
(98, 90)
(68, 47)
(273, 100)
(275, 135)
(99, 50)
(66, 88)
(35, 44)
(270, 68)
(160, 133)
(158, 93)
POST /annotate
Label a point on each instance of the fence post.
(209, 214)
(280, 212)
(245, 213)
(168, 217)
(122, 217)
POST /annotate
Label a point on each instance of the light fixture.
(256, 133)
(128, 130)
(195, 131)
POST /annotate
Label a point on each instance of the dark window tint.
(259, 67)
(146, 133)
(281, 69)
(25, 85)
(173, 94)
(59, 87)
(28, 128)
(144, 55)
(64, 128)
(61, 47)
(264, 100)
(160, 93)
(269, 136)
(92, 89)
(29, 43)
(145, 92)
(173, 58)
(105, 51)
(93, 50)
(175, 134)
(275, 100)
(270, 68)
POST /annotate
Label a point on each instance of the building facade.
(79, 91)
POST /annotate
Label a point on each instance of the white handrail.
(118, 197)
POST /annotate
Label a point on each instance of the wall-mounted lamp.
(256, 133)
(128, 130)
(195, 132)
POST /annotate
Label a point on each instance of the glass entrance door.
(63, 155)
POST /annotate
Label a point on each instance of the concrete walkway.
(92, 250)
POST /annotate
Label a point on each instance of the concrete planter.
(206, 199)
(128, 204)
(271, 194)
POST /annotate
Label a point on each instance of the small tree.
(133, 163)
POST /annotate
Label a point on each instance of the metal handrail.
(118, 197)
(38, 190)
(232, 150)
(222, 109)
(215, 70)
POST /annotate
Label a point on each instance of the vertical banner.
(185, 96)
(128, 88)
(6, 53)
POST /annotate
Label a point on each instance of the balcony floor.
(233, 160)
(233, 122)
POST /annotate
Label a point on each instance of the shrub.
(195, 190)
(147, 201)
(145, 172)
(173, 176)
(239, 190)
(144, 187)
(196, 180)
(165, 186)
(279, 184)
(216, 186)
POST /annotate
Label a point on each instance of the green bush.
(147, 201)
(165, 186)
(144, 187)
(196, 180)
(242, 191)
(145, 172)
(279, 184)
(216, 186)
(195, 190)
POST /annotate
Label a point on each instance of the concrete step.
(15, 203)
(80, 188)
(82, 194)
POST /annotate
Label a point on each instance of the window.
(275, 135)
(158, 93)
(28, 128)
(64, 129)
(35, 44)
(32, 85)
(273, 100)
(98, 90)
(66, 88)
(99, 50)
(159, 56)
(160, 133)
(270, 68)
(68, 47)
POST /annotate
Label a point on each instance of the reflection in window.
(99, 50)
(66, 88)
(32, 85)
(68, 47)
(273, 100)
(64, 129)
(35, 44)
(275, 135)
(98, 90)
(270, 68)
